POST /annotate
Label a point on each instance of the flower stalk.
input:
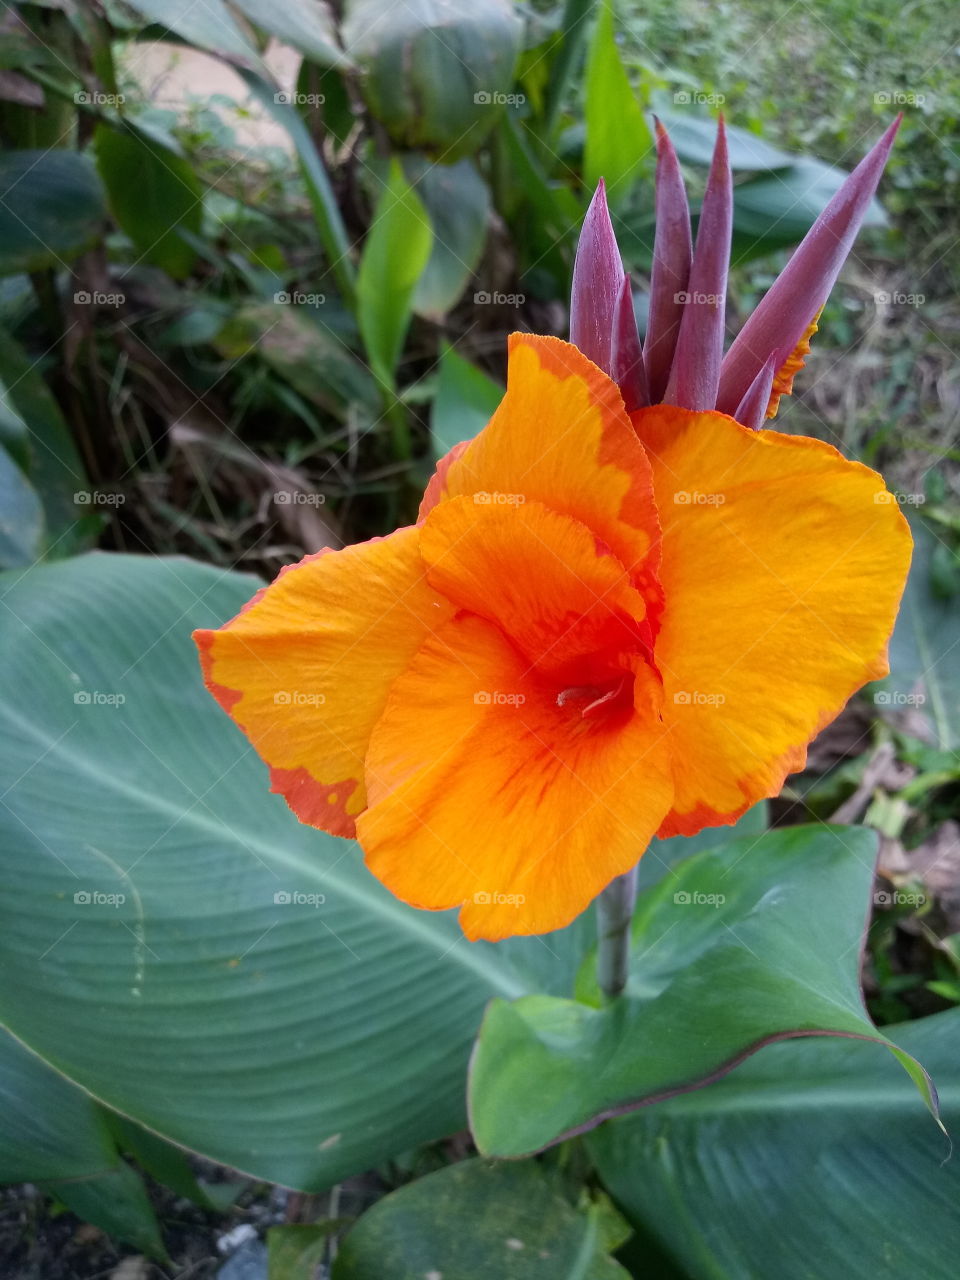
(614, 915)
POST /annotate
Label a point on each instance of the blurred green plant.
(137, 246)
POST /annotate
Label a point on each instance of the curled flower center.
(591, 701)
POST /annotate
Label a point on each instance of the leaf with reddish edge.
(747, 944)
(785, 311)
(672, 255)
(695, 375)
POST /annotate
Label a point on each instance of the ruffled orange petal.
(561, 436)
(783, 566)
(304, 669)
(487, 795)
(562, 599)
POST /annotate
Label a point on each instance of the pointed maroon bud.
(785, 312)
(752, 410)
(597, 277)
(626, 355)
(672, 254)
(695, 375)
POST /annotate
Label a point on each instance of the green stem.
(614, 914)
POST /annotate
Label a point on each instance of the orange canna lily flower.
(604, 626)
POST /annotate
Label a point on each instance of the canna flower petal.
(304, 669)
(561, 436)
(783, 566)
(517, 812)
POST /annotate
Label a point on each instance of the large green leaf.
(436, 74)
(21, 516)
(394, 255)
(307, 25)
(48, 1127)
(694, 137)
(477, 1220)
(33, 429)
(51, 208)
(619, 145)
(777, 209)
(153, 192)
(53, 1134)
(924, 665)
(662, 856)
(811, 1161)
(300, 1042)
(457, 202)
(465, 400)
(748, 943)
(209, 25)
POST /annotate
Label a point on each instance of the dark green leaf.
(21, 516)
(47, 452)
(481, 1218)
(117, 1203)
(814, 1159)
(307, 25)
(436, 75)
(457, 202)
(745, 944)
(924, 662)
(153, 193)
(48, 1127)
(465, 401)
(51, 208)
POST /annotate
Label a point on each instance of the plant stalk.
(614, 915)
